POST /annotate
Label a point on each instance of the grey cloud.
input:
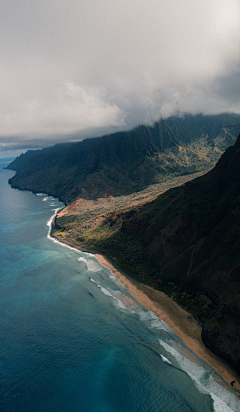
(82, 67)
(228, 87)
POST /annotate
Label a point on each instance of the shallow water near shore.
(73, 338)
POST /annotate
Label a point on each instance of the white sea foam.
(49, 224)
(91, 264)
(149, 317)
(117, 281)
(106, 292)
(165, 359)
(159, 324)
(119, 303)
(182, 361)
(82, 259)
(45, 199)
(221, 406)
(223, 400)
(40, 194)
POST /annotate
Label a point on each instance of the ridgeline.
(185, 241)
(126, 162)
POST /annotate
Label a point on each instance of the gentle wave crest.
(223, 400)
(91, 264)
(165, 359)
(109, 294)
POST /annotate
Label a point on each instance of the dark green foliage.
(190, 243)
(187, 241)
(121, 163)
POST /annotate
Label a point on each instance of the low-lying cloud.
(86, 66)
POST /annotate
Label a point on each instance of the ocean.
(69, 343)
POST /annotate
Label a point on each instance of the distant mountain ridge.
(126, 161)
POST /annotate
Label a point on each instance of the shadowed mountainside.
(185, 242)
(126, 162)
(192, 235)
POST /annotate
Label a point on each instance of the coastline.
(178, 319)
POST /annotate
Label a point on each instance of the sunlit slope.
(126, 162)
(187, 242)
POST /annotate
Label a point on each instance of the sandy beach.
(179, 320)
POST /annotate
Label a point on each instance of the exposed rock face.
(126, 162)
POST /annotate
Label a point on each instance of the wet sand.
(179, 320)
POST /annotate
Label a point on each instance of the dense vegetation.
(126, 162)
(186, 243)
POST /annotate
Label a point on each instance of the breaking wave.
(91, 264)
(223, 400)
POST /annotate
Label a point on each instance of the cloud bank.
(82, 66)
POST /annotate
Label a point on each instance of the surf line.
(118, 275)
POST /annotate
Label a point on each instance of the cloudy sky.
(86, 67)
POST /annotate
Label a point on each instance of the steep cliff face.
(126, 162)
(191, 234)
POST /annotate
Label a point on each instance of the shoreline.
(179, 320)
(165, 308)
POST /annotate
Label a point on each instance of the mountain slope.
(126, 162)
(187, 241)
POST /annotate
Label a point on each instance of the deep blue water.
(69, 343)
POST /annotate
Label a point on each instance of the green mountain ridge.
(126, 162)
(188, 241)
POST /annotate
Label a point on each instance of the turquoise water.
(69, 343)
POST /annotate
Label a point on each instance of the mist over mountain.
(185, 242)
(125, 162)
